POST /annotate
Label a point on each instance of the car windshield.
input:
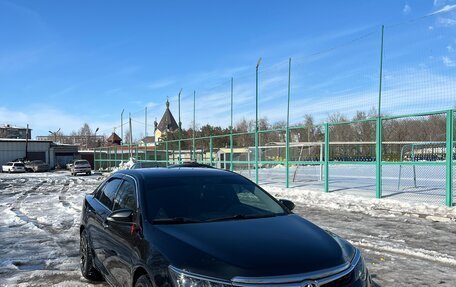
(18, 164)
(81, 162)
(206, 198)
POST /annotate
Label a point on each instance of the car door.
(101, 242)
(124, 236)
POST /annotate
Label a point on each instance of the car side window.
(99, 191)
(126, 196)
(108, 192)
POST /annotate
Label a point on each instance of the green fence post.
(167, 155)
(449, 158)
(326, 185)
(94, 159)
(378, 158)
(210, 149)
(231, 129)
(194, 125)
(378, 131)
(115, 156)
(145, 151)
(256, 122)
(231, 151)
(287, 134)
(155, 152)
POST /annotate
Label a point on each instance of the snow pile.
(125, 165)
(370, 206)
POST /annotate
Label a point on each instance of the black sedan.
(203, 227)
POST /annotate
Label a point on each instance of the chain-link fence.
(372, 115)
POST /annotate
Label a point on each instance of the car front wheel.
(86, 259)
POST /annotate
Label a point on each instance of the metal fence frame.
(109, 156)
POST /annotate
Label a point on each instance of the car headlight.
(182, 278)
(360, 270)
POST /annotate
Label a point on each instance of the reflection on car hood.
(272, 246)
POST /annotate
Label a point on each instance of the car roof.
(144, 173)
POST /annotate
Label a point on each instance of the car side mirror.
(288, 204)
(121, 216)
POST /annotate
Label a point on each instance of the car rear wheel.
(143, 281)
(86, 259)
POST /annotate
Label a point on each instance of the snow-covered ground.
(420, 184)
(405, 244)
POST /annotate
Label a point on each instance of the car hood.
(274, 246)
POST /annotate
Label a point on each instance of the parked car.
(190, 226)
(13, 167)
(81, 166)
(36, 165)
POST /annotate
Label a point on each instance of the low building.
(54, 154)
(11, 132)
(84, 142)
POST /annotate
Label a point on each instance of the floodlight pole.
(231, 129)
(130, 137)
(121, 127)
(378, 149)
(256, 120)
(194, 124)
(287, 133)
(180, 125)
(145, 122)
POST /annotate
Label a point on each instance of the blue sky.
(66, 63)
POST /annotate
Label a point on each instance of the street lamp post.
(54, 134)
(96, 136)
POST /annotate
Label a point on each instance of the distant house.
(114, 139)
(11, 132)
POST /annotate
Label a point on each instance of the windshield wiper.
(241, 216)
(175, 220)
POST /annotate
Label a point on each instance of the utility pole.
(131, 136)
(287, 133)
(231, 129)
(145, 122)
(121, 127)
(26, 141)
(180, 125)
(194, 124)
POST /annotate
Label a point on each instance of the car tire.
(88, 270)
(143, 281)
(89, 173)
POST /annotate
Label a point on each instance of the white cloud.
(407, 9)
(450, 48)
(448, 62)
(446, 22)
(445, 9)
(151, 105)
(159, 84)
